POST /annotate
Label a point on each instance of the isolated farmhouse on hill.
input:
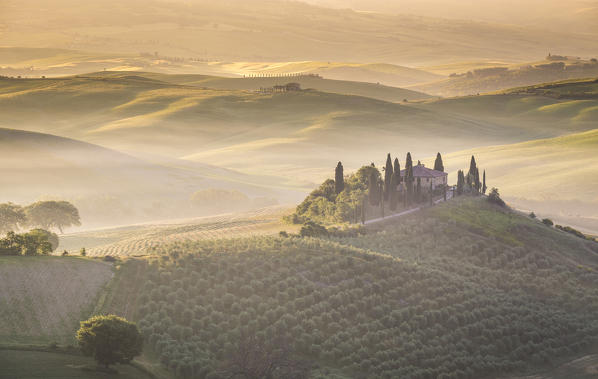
(427, 176)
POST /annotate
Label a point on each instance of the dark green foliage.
(547, 222)
(484, 188)
(35, 242)
(460, 182)
(409, 177)
(109, 339)
(532, 215)
(438, 165)
(339, 179)
(494, 197)
(462, 302)
(394, 194)
(388, 170)
(397, 168)
(313, 229)
(573, 231)
(374, 190)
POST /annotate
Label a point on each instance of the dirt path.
(404, 213)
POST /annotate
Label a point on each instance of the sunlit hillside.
(107, 185)
(251, 31)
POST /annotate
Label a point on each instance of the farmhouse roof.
(421, 171)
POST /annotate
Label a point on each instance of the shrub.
(313, 229)
(109, 339)
(547, 222)
(494, 197)
(532, 215)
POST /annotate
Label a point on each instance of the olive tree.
(109, 339)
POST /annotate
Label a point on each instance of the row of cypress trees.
(381, 191)
(471, 182)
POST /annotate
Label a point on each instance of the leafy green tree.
(109, 339)
(387, 177)
(45, 242)
(373, 190)
(11, 217)
(11, 244)
(438, 165)
(35, 242)
(52, 214)
(339, 180)
(313, 229)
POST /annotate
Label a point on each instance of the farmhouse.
(427, 176)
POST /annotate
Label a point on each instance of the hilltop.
(500, 77)
(554, 177)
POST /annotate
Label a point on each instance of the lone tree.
(387, 177)
(109, 339)
(11, 217)
(52, 214)
(438, 165)
(339, 180)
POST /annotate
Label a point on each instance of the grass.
(18, 364)
(44, 298)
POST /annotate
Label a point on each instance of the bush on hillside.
(35, 242)
(573, 231)
(494, 197)
(313, 229)
(109, 339)
(547, 222)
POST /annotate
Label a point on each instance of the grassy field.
(144, 239)
(42, 299)
(18, 364)
(554, 177)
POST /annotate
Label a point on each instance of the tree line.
(46, 215)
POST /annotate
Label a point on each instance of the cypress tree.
(339, 180)
(408, 179)
(394, 195)
(387, 177)
(438, 165)
(397, 169)
(484, 188)
(478, 185)
(472, 166)
(381, 195)
(460, 182)
(418, 191)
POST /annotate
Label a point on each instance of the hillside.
(274, 31)
(501, 77)
(555, 177)
(107, 185)
(37, 62)
(490, 291)
(142, 239)
(268, 134)
(43, 298)
(323, 84)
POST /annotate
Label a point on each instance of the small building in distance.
(427, 176)
(281, 88)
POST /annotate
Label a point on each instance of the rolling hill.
(107, 185)
(501, 77)
(274, 31)
(489, 292)
(271, 134)
(555, 177)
